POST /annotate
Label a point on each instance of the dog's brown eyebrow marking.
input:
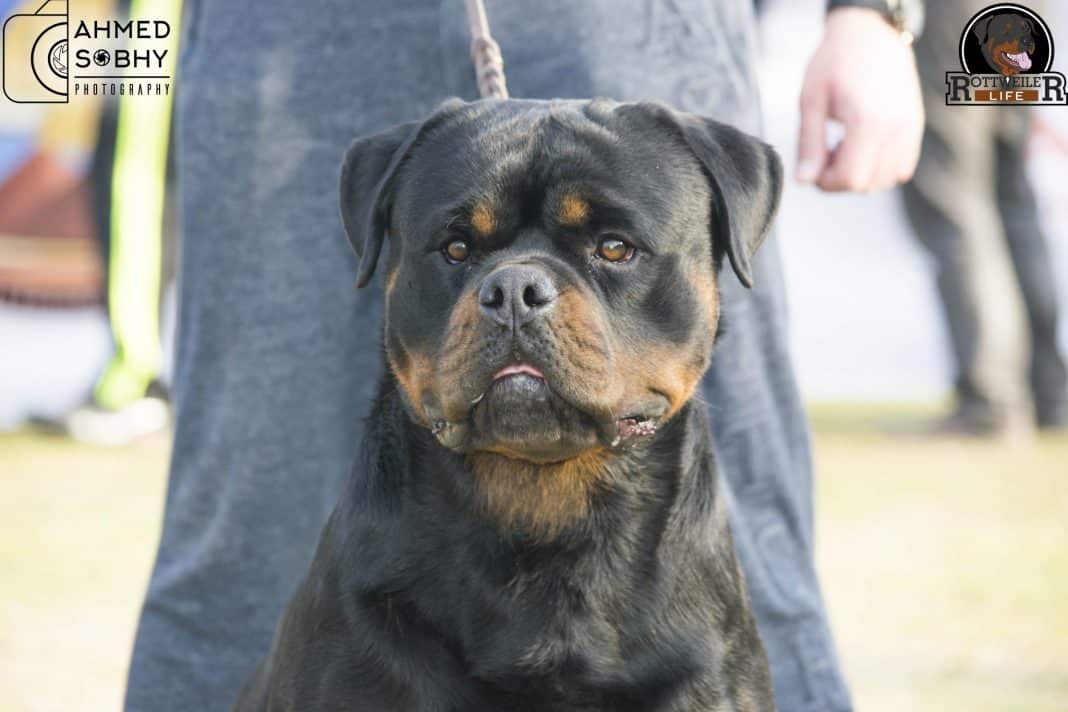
(573, 210)
(483, 220)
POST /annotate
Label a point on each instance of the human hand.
(863, 75)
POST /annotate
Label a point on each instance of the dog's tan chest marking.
(541, 499)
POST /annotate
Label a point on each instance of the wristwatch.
(905, 15)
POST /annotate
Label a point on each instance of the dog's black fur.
(553, 539)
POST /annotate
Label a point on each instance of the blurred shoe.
(1052, 419)
(98, 425)
(969, 423)
(960, 424)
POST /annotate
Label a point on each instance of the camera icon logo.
(36, 56)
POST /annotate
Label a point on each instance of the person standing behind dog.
(278, 355)
(972, 206)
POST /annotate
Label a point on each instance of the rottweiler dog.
(1007, 40)
(533, 523)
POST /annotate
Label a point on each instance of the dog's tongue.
(1022, 60)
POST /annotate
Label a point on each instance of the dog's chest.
(558, 645)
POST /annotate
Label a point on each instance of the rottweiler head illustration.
(1007, 40)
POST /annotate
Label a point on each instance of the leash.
(485, 53)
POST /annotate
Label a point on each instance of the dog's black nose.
(516, 294)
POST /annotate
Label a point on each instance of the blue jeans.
(278, 353)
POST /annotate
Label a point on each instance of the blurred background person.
(51, 275)
(971, 204)
(130, 177)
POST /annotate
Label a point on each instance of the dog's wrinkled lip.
(521, 375)
(611, 430)
(516, 369)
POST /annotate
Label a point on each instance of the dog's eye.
(613, 249)
(455, 252)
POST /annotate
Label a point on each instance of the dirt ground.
(945, 566)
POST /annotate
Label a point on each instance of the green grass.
(79, 531)
(945, 566)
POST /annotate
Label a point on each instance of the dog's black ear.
(367, 181)
(745, 175)
(982, 27)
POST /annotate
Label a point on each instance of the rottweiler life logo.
(1006, 52)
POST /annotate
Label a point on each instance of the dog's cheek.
(671, 373)
(673, 367)
(410, 370)
(460, 354)
(410, 333)
(706, 290)
(670, 307)
(578, 350)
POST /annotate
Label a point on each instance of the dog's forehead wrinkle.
(536, 139)
(494, 141)
(580, 124)
(509, 171)
(520, 164)
(560, 131)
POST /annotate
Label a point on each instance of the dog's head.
(1007, 40)
(551, 266)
